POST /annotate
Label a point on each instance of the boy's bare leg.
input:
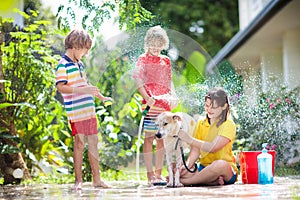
(159, 158)
(147, 151)
(78, 151)
(94, 161)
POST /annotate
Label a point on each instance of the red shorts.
(86, 127)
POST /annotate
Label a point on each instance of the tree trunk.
(1, 68)
(9, 162)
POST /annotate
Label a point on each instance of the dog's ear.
(176, 118)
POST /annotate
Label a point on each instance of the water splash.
(253, 117)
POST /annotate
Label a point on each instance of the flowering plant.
(274, 118)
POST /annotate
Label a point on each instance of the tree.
(131, 14)
(211, 23)
(28, 108)
(27, 66)
(7, 144)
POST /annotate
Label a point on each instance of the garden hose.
(137, 165)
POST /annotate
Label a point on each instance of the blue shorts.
(231, 181)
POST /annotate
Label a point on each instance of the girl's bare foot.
(167, 178)
(101, 184)
(159, 178)
(77, 186)
(151, 178)
(221, 180)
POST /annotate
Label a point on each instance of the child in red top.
(153, 76)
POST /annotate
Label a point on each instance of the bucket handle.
(242, 157)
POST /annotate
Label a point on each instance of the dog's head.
(168, 124)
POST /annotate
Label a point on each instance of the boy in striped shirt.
(78, 95)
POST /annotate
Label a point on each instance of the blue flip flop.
(161, 183)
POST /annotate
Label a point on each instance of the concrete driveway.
(283, 188)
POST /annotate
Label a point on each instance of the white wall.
(248, 10)
(291, 58)
(279, 58)
(252, 85)
(271, 67)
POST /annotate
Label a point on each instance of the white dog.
(169, 124)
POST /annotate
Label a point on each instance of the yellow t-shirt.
(206, 132)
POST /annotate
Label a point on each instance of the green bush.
(274, 119)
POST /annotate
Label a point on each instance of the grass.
(286, 171)
(125, 174)
(51, 178)
(129, 173)
(295, 192)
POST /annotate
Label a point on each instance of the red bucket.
(248, 165)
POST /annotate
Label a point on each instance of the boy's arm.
(93, 90)
(100, 96)
(140, 86)
(149, 100)
(139, 82)
(174, 99)
(63, 88)
(103, 98)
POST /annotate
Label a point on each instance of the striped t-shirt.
(78, 106)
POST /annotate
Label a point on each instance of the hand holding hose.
(150, 101)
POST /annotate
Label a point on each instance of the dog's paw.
(178, 184)
(170, 184)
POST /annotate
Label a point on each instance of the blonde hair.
(154, 35)
(78, 39)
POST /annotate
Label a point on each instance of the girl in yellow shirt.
(212, 144)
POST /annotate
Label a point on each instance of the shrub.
(274, 119)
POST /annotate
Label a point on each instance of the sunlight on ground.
(129, 173)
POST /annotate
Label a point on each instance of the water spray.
(137, 165)
(166, 96)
